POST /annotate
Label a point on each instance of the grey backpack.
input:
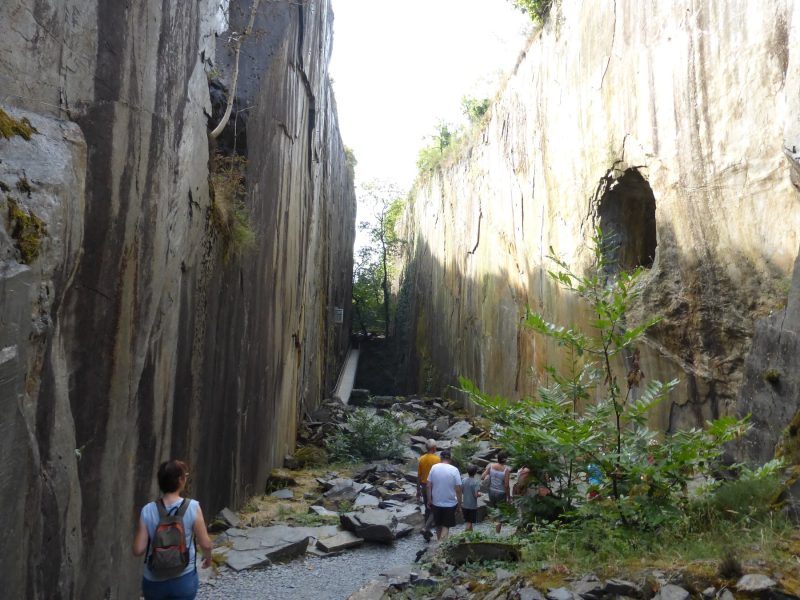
(169, 554)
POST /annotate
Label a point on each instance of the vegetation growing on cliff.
(536, 9)
(9, 127)
(586, 436)
(447, 140)
(27, 230)
(228, 214)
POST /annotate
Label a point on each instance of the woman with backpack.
(165, 537)
(499, 476)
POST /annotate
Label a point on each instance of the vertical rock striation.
(127, 338)
(665, 124)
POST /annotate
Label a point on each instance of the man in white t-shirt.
(444, 494)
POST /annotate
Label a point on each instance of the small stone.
(290, 462)
(755, 582)
(622, 587)
(502, 574)
(560, 594)
(709, 592)
(529, 593)
(588, 588)
(671, 592)
(225, 519)
(322, 511)
(726, 595)
(284, 494)
(441, 424)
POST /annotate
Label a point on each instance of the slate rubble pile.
(504, 585)
(377, 504)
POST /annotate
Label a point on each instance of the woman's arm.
(140, 539)
(485, 473)
(201, 535)
(507, 483)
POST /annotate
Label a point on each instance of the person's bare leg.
(442, 532)
(498, 527)
(468, 526)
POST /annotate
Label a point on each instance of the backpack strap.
(183, 507)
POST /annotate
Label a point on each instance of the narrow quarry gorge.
(170, 290)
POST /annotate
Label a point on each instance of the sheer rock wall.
(672, 125)
(128, 339)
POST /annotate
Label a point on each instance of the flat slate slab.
(284, 494)
(340, 541)
(259, 546)
(366, 500)
(457, 430)
(755, 583)
(322, 511)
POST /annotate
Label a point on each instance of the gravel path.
(331, 578)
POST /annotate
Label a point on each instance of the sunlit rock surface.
(669, 125)
(128, 339)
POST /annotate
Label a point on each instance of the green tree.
(536, 9)
(587, 421)
(474, 109)
(431, 155)
(374, 266)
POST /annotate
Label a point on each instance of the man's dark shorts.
(470, 515)
(444, 516)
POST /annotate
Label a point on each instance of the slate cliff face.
(674, 127)
(126, 338)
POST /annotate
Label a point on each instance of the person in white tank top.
(499, 476)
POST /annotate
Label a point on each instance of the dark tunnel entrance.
(627, 215)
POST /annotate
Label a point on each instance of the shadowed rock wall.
(663, 122)
(128, 339)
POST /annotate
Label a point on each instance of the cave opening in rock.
(627, 216)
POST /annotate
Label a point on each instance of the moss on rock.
(27, 230)
(789, 445)
(9, 126)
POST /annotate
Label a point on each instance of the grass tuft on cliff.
(228, 214)
(27, 229)
(9, 127)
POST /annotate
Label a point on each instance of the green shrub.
(474, 109)
(311, 456)
(536, 9)
(586, 420)
(771, 376)
(367, 437)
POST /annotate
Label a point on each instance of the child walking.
(471, 490)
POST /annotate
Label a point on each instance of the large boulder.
(372, 525)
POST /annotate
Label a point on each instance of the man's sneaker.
(427, 535)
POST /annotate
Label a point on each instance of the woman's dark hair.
(501, 458)
(169, 475)
(472, 470)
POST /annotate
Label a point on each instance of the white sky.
(400, 66)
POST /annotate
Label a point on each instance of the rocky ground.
(353, 532)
